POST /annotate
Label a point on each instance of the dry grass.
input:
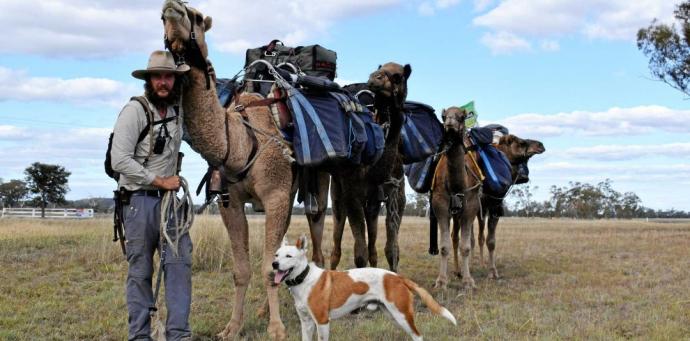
(561, 279)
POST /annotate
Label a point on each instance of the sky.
(567, 73)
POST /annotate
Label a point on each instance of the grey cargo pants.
(142, 229)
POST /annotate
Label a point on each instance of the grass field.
(561, 279)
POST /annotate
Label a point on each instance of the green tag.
(471, 119)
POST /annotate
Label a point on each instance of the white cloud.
(627, 152)
(553, 19)
(79, 28)
(446, 3)
(102, 29)
(19, 86)
(428, 8)
(579, 171)
(238, 25)
(550, 45)
(504, 42)
(481, 5)
(613, 122)
(9, 133)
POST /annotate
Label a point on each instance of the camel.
(355, 188)
(242, 140)
(455, 194)
(518, 151)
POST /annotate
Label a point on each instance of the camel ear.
(208, 22)
(302, 243)
(408, 71)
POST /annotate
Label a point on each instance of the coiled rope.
(177, 215)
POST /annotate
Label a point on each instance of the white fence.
(52, 213)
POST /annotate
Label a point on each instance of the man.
(148, 168)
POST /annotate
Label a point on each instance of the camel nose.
(171, 14)
(275, 265)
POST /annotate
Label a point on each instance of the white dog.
(321, 295)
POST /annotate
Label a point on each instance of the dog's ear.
(302, 243)
(285, 241)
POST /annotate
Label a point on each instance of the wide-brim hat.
(161, 61)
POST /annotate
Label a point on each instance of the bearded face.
(162, 89)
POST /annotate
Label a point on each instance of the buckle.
(239, 108)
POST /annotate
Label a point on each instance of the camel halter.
(196, 59)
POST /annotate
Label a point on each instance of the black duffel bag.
(313, 60)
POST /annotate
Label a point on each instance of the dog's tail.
(429, 300)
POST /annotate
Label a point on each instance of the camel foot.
(318, 259)
(230, 332)
(493, 274)
(441, 283)
(276, 330)
(468, 283)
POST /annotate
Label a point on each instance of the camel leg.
(277, 211)
(491, 245)
(372, 209)
(455, 235)
(443, 218)
(339, 215)
(467, 216)
(355, 214)
(482, 223)
(393, 220)
(236, 224)
(316, 221)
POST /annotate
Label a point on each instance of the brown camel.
(518, 151)
(455, 194)
(226, 139)
(355, 189)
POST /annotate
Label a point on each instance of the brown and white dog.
(322, 295)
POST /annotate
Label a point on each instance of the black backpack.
(148, 130)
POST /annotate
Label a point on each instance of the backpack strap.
(148, 128)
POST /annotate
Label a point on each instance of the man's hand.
(170, 183)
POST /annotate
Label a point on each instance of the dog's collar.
(299, 279)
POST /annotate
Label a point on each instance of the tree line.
(584, 201)
(44, 184)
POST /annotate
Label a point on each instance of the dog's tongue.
(278, 278)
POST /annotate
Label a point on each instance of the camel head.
(519, 151)
(454, 121)
(185, 30)
(390, 81)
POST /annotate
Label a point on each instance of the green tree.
(421, 203)
(11, 193)
(48, 182)
(668, 49)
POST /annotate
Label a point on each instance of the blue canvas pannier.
(421, 133)
(332, 127)
(420, 174)
(225, 89)
(494, 164)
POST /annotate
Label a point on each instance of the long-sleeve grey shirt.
(129, 162)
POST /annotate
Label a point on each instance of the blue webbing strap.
(317, 123)
(420, 181)
(301, 125)
(420, 138)
(485, 160)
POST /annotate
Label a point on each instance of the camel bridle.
(192, 49)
